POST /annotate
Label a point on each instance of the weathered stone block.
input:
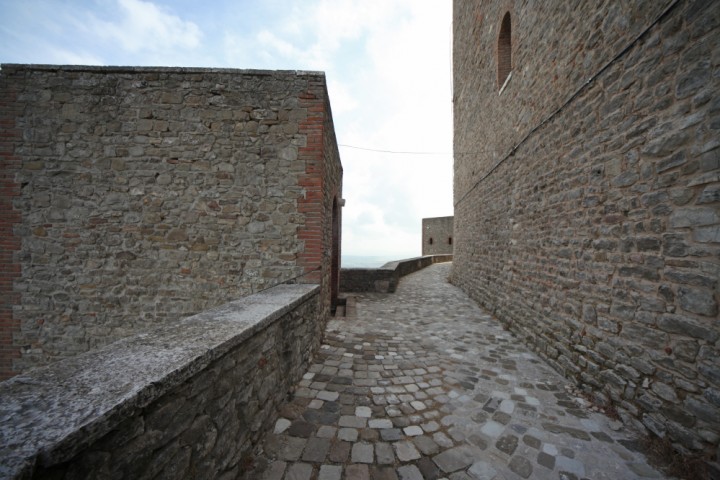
(698, 301)
(687, 326)
(694, 217)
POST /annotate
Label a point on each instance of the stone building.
(437, 236)
(587, 196)
(131, 197)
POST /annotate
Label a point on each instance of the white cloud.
(143, 26)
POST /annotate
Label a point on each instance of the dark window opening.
(504, 51)
(449, 240)
(430, 241)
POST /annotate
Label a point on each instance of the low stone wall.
(385, 279)
(185, 401)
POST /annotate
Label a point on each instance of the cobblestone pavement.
(423, 384)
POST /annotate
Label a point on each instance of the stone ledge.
(385, 278)
(123, 69)
(50, 414)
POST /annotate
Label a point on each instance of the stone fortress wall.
(587, 196)
(136, 196)
(437, 236)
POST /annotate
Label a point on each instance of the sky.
(387, 63)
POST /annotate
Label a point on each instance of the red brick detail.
(10, 217)
(312, 181)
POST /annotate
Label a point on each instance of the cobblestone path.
(423, 384)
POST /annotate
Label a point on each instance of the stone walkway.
(424, 384)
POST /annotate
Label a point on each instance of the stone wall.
(386, 278)
(587, 197)
(437, 236)
(137, 195)
(188, 400)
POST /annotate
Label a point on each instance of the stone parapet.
(186, 400)
(385, 279)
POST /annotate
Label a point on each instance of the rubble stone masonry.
(587, 197)
(135, 196)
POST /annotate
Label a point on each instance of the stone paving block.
(521, 466)
(299, 471)
(281, 425)
(274, 471)
(393, 412)
(550, 449)
(380, 423)
(315, 403)
(316, 450)
(384, 453)
(442, 440)
(348, 434)
(482, 470)
(406, 451)
(369, 435)
(507, 444)
(339, 452)
(327, 395)
(426, 445)
(391, 434)
(454, 459)
(301, 428)
(357, 472)
(330, 472)
(428, 469)
(363, 412)
(546, 460)
(326, 431)
(416, 404)
(383, 473)
(409, 472)
(565, 464)
(413, 431)
(460, 476)
(291, 448)
(322, 417)
(362, 453)
(430, 426)
(492, 429)
(352, 421)
(531, 441)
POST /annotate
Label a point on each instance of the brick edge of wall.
(10, 218)
(311, 205)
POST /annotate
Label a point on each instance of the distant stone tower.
(437, 236)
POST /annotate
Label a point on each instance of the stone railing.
(385, 279)
(189, 400)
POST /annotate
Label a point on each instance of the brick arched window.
(504, 50)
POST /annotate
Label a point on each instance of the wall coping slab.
(385, 278)
(50, 414)
(131, 69)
